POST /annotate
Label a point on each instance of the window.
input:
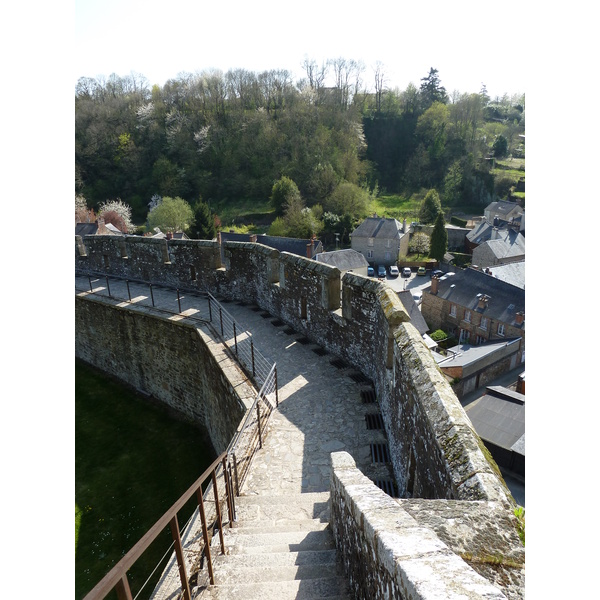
(369, 253)
(484, 323)
(468, 316)
(453, 310)
(501, 329)
(480, 340)
(371, 241)
(464, 336)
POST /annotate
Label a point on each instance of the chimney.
(219, 237)
(483, 300)
(404, 229)
(519, 318)
(495, 234)
(169, 235)
(253, 237)
(434, 284)
(308, 247)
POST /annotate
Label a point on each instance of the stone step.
(288, 541)
(332, 588)
(275, 559)
(227, 573)
(273, 508)
(276, 526)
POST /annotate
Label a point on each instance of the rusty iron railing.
(249, 437)
(116, 578)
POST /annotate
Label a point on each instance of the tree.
(439, 238)
(500, 147)
(419, 243)
(118, 213)
(83, 214)
(348, 198)
(204, 222)
(430, 207)
(284, 193)
(172, 214)
(432, 90)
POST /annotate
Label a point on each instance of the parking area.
(415, 283)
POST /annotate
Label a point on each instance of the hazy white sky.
(467, 41)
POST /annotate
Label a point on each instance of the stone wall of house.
(171, 361)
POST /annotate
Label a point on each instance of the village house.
(381, 240)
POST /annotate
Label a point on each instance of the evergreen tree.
(204, 222)
(439, 238)
(430, 207)
(432, 90)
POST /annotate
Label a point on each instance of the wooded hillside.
(228, 137)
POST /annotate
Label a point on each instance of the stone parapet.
(387, 553)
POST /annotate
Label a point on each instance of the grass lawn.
(254, 216)
(396, 206)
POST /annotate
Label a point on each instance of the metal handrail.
(116, 578)
(253, 416)
(247, 435)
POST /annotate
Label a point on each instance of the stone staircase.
(280, 547)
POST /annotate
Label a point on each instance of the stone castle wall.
(170, 361)
(435, 451)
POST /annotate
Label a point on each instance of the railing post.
(235, 338)
(252, 352)
(235, 471)
(209, 310)
(205, 535)
(123, 589)
(90, 280)
(276, 388)
(218, 511)
(221, 318)
(178, 300)
(128, 291)
(228, 492)
(258, 417)
(152, 295)
(185, 586)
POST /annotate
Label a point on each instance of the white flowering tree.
(118, 213)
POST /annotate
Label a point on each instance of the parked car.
(380, 271)
(437, 273)
(421, 271)
(370, 271)
(406, 272)
(394, 271)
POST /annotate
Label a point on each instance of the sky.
(162, 40)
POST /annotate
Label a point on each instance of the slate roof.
(378, 227)
(483, 233)
(86, 228)
(283, 244)
(513, 273)
(467, 354)
(505, 249)
(344, 260)
(292, 245)
(413, 311)
(499, 417)
(466, 286)
(502, 208)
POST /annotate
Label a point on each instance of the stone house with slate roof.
(345, 260)
(380, 240)
(476, 308)
(504, 211)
